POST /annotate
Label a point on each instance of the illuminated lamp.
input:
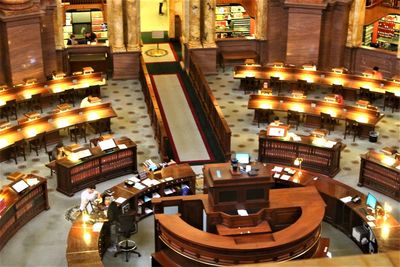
(30, 81)
(298, 162)
(339, 70)
(87, 70)
(58, 76)
(309, 67)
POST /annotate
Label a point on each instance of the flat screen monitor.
(81, 28)
(243, 158)
(20, 186)
(371, 201)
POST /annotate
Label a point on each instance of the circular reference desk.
(179, 237)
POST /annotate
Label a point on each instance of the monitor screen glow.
(371, 201)
(20, 186)
(243, 158)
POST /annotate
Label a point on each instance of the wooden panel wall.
(277, 31)
(48, 41)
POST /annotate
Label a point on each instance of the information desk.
(318, 158)
(350, 83)
(51, 124)
(85, 246)
(383, 237)
(18, 209)
(381, 173)
(367, 118)
(73, 176)
(77, 82)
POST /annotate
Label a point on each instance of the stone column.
(171, 18)
(133, 24)
(110, 23)
(261, 19)
(209, 23)
(118, 27)
(356, 23)
(58, 25)
(398, 49)
(194, 23)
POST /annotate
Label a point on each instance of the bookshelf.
(315, 158)
(21, 208)
(380, 176)
(101, 166)
(232, 21)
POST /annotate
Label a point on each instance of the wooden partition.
(211, 108)
(164, 147)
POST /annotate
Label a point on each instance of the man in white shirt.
(89, 194)
(276, 122)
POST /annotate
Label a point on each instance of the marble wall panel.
(48, 41)
(276, 31)
(126, 65)
(207, 59)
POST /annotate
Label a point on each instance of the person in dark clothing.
(90, 37)
(113, 213)
(71, 40)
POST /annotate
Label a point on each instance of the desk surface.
(318, 77)
(315, 107)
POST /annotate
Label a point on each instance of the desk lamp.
(298, 162)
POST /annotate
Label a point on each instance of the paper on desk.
(120, 200)
(139, 186)
(398, 167)
(242, 212)
(32, 181)
(122, 146)
(346, 199)
(371, 224)
(277, 175)
(147, 182)
(277, 169)
(370, 218)
(169, 179)
(285, 177)
(97, 227)
(330, 144)
(134, 179)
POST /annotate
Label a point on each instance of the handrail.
(154, 111)
(211, 108)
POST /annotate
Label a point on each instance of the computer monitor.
(243, 158)
(371, 201)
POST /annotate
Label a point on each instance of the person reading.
(376, 74)
(276, 122)
(89, 195)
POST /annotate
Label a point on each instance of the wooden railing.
(211, 108)
(154, 112)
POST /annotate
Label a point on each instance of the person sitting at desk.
(88, 195)
(71, 40)
(276, 122)
(376, 74)
(58, 151)
(90, 37)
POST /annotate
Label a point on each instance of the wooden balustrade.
(211, 108)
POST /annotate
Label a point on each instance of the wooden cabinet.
(21, 208)
(101, 166)
(380, 176)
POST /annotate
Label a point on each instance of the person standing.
(88, 195)
(113, 212)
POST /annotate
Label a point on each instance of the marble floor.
(42, 242)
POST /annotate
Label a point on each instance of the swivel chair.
(127, 226)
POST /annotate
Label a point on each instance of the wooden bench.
(237, 55)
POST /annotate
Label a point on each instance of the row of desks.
(25, 92)
(353, 82)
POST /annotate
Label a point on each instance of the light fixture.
(339, 70)
(87, 70)
(298, 162)
(309, 67)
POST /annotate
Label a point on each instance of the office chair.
(127, 226)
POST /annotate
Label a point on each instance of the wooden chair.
(52, 163)
(303, 85)
(67, 97)
(391, 101)
(366, 94)
(93, 90)
(37, 143)
(351, 128)
(262, 116)
(78, 130)
(275, 84)
(250, 84)
(9, 109)
(293, 118)
(327, 122)
(17, 150)
(36, 103)
(337, 89)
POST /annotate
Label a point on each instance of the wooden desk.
(51, 124)
(77, 82)
(101, 166)
(379, 174)
(85, 247)
(351, 83)
(21, 208)
(261, 228)
(315, 158)
(312, 109)
(237, 55)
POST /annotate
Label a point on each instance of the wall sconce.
(298, 162)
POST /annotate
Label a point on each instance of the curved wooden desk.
(85, 247)
(77, 82)
(175, 245)
(21, 208)
(351, 83)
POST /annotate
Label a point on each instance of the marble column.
(209, 23)
(58, 25)
(398, 49)
(194, 23)
(118, 27)
(171, 18)
(261, 19)
(133, 24)
(110, 23)
(356, 23)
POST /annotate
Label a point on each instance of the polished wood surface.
(54, 122)
(316, 157)
(20, 208)
(367, 118)
(328, 78)
(381, 173)
(24, 92)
